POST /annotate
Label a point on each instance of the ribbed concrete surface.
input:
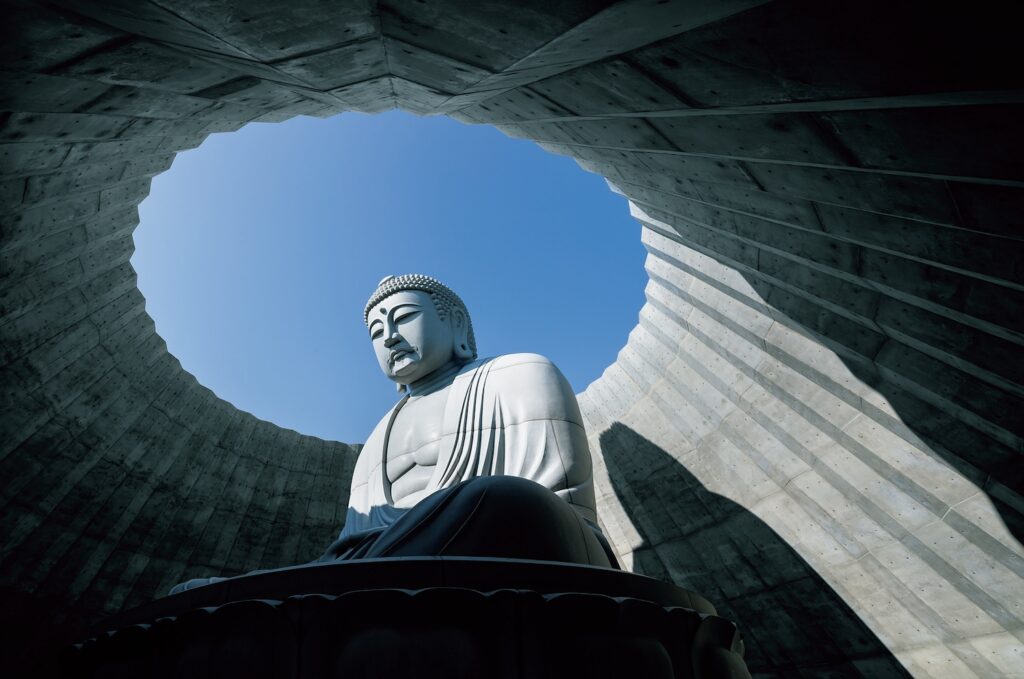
(736, 445)
(816, 422)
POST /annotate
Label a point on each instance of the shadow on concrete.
(908, 379)
(792, 622)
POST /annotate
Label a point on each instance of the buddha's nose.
(391, 340)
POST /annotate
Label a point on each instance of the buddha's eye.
(376, 331)
(406, 315)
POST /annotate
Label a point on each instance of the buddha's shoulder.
(511, 365)
(507, 361)
(528, 375)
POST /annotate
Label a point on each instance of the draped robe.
(511, 415)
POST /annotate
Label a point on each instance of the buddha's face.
(410, 339)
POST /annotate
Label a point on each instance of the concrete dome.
(816, 422)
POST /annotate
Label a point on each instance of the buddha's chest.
(413, 448)
(417, 428)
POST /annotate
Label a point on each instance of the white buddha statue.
(481, 457)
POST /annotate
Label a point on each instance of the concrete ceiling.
(816, 422)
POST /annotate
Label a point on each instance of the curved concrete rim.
(816, 417)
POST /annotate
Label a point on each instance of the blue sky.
(257, 251)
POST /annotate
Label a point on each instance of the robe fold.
(511, 415)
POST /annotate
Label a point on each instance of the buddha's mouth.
(401, 361)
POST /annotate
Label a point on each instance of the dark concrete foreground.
(420, 618)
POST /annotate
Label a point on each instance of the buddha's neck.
(441, 377)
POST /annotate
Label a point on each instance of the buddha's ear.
(460, 334)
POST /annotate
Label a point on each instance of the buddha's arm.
(546, 441)
(358, 512)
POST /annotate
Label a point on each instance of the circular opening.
(257, 251)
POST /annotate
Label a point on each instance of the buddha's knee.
(493, 516)
(511, 510)
(511, 496)
(554, 528)
(514, 485)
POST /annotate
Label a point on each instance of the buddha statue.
(480, 457)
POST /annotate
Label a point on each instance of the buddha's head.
(417, 325)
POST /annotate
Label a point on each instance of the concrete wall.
(739, 448)
(816, 421)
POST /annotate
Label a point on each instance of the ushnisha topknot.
(444, 298)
